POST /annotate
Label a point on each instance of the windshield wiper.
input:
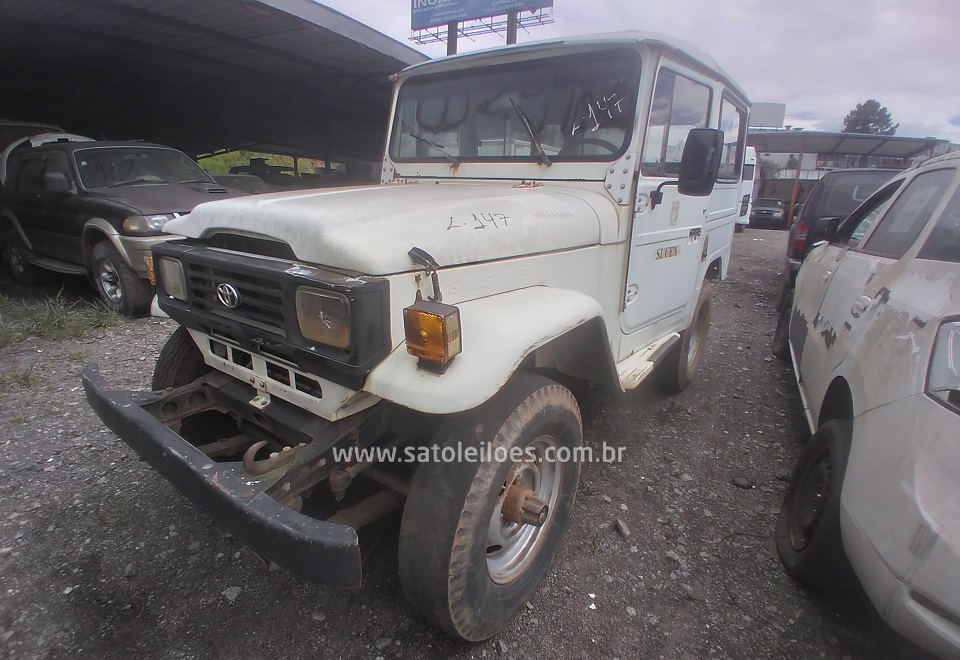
(439, 147)
(544, 159)
(132, 182)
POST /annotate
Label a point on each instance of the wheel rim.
(15, 258)
(110, 282)
(512, 546)
(809, 498)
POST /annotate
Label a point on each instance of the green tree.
(870, 117)
(769, 169)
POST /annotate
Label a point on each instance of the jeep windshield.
(104, 167)
(570, 108)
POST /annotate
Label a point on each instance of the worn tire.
(180, 363)
(449, 570)
(808, 528)
(677, 369)
(781, 336)
(17, 257)
(118, 285)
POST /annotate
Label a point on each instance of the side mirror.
(57, 182)
(825, 229)
(700, 162)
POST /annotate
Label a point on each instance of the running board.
(638, 366)
(58, 266)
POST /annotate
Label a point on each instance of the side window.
(31, 174)
(732, 124)
(943, 244)
(856, 225)
(679, 104)
(909, 214)
(57, 162)
(13, 170)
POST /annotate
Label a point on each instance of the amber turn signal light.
(432, 332)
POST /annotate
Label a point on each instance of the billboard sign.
(431, 13)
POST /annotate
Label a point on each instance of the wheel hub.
(110, 281)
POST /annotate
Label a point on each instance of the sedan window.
(943, 244)
(909, 214)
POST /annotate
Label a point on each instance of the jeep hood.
(151, 198)
(370, 230)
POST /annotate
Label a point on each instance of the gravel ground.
(101, 557)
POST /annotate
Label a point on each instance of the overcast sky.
(820, 57)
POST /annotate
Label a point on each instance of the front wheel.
(478, 535)
(117, 283)
(808, 527)
(676, 370)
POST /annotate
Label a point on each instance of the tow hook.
(277, 459)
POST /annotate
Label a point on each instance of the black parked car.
(96, 208)
(767, 211)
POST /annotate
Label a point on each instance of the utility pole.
(512, 27)
(452, 38)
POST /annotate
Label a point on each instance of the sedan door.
(859, 279)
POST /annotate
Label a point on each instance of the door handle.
(826, 275)
(860, 306)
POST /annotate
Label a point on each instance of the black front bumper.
(312, 549)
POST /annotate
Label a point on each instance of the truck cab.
(547, 213)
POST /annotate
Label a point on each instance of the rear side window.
(909, 214)
(943, 244)
(679, 104)
(30, 176)
(732, 124)
(847, 193)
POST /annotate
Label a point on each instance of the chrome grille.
(261, 298)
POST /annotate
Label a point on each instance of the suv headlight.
(146, 224)
(171, 277)
(943, 381)
(324, 317)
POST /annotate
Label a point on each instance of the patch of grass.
(52, 318)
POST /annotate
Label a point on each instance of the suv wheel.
(17, 256)
(781, 336)
(477, 537)
(118, 285)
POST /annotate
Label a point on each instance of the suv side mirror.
(700, 162)
(824, 230)
(57, 182)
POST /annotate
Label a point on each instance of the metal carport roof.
(281, 76)
(825, 143)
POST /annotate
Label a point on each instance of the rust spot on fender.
(829, 337)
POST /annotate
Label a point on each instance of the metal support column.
(452, 38)
(512, 20)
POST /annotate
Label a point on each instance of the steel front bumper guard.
(315, 550)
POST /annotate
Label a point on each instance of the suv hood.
(370, 230)
(150, 198)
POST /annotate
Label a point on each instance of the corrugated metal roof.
(825, 143)
(291, 76)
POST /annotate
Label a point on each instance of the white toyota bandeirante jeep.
(550, 211)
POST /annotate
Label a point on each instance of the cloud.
(821, 58)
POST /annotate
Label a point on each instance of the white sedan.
(874, 337)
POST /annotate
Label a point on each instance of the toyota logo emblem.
(228, 296)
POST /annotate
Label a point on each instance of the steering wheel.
(578, 141)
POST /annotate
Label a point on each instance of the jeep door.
(666, 241)
(856, 278)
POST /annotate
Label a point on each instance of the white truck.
(548, 212)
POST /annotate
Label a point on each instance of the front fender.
(499, 332)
